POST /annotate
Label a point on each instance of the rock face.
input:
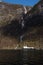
(31, 33)
(19, 26)
(37, 9)
(9, 12)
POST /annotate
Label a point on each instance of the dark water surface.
(21, 57)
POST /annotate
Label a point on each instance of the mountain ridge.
(9, 12)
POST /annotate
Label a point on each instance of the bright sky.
(23, 2)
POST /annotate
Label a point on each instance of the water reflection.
(21, 57)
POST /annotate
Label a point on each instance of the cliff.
(11, 29)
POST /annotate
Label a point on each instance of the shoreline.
(29, 48)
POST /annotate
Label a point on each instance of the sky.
(22, 2)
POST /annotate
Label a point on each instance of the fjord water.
(21, 57)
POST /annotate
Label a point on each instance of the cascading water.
(22, 22)
(22, 26)
(25, 10)
(21, 38)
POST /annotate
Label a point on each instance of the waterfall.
(21, 38)
(25, 10)
(22, 24)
